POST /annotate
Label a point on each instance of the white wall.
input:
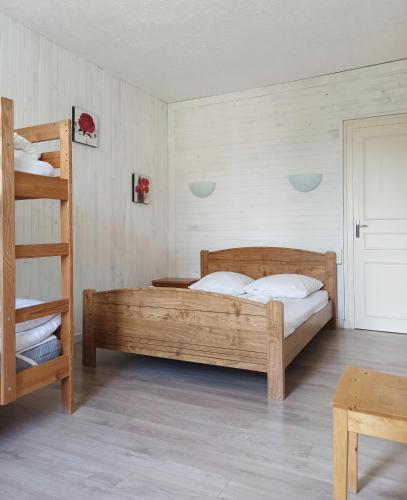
(116, 243)
(249, 142)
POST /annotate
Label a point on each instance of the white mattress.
(296, 311)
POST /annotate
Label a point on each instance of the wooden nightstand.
(174, 282)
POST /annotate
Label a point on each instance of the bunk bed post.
(7, 254)
(276, 368)
(204, 263)
(88, 339)
(66, 260)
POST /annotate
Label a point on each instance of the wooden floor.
(157, 429)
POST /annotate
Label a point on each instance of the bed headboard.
(257, 262)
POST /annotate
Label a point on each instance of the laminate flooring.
(149, 428)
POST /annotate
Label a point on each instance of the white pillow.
(21, 144)
(288, 286)
(223, 282)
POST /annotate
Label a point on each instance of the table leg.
(340, 453)
(353, 462)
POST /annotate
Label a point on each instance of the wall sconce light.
(305, 182)
(202, 189)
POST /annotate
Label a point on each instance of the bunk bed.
(17, 185)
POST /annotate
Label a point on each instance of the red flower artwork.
(142, 189)
(86, 124)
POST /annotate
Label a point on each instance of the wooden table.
(174, 282)
(370, 403)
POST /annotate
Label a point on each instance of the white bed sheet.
(296, 311)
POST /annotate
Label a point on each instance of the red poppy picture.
(85, 127)
(141, 188)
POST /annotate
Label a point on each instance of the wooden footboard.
(187, 325)
(196, 326)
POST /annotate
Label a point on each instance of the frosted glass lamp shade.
(305, 182)
(202, 189)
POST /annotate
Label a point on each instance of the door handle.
(358, 226)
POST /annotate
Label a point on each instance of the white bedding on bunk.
(25, 163)
(26, 159)
(296, 311)
(30, 338)
(31, 333)
(32, 323)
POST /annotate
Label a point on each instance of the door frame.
(348, 127)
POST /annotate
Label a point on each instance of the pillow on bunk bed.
(225, 282)
(21, 144)
(32, 323)
(287, 286)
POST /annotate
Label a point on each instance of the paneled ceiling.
(182, 49)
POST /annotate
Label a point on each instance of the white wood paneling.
(249, 142)
(116, 243)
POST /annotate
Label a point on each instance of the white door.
(377, 151)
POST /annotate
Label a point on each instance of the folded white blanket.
(32, 323)
(30, 338)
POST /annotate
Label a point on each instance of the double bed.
(213, 328)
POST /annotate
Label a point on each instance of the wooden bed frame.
(23, 186)
(211, 328)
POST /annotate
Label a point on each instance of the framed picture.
(141, 188)
(85, 127)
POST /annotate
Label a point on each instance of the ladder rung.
(42, 250)
(41, 310)
(31, 186)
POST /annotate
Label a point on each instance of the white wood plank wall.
(249, 142)
(116, 243)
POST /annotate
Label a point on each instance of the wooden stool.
(370, 403)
